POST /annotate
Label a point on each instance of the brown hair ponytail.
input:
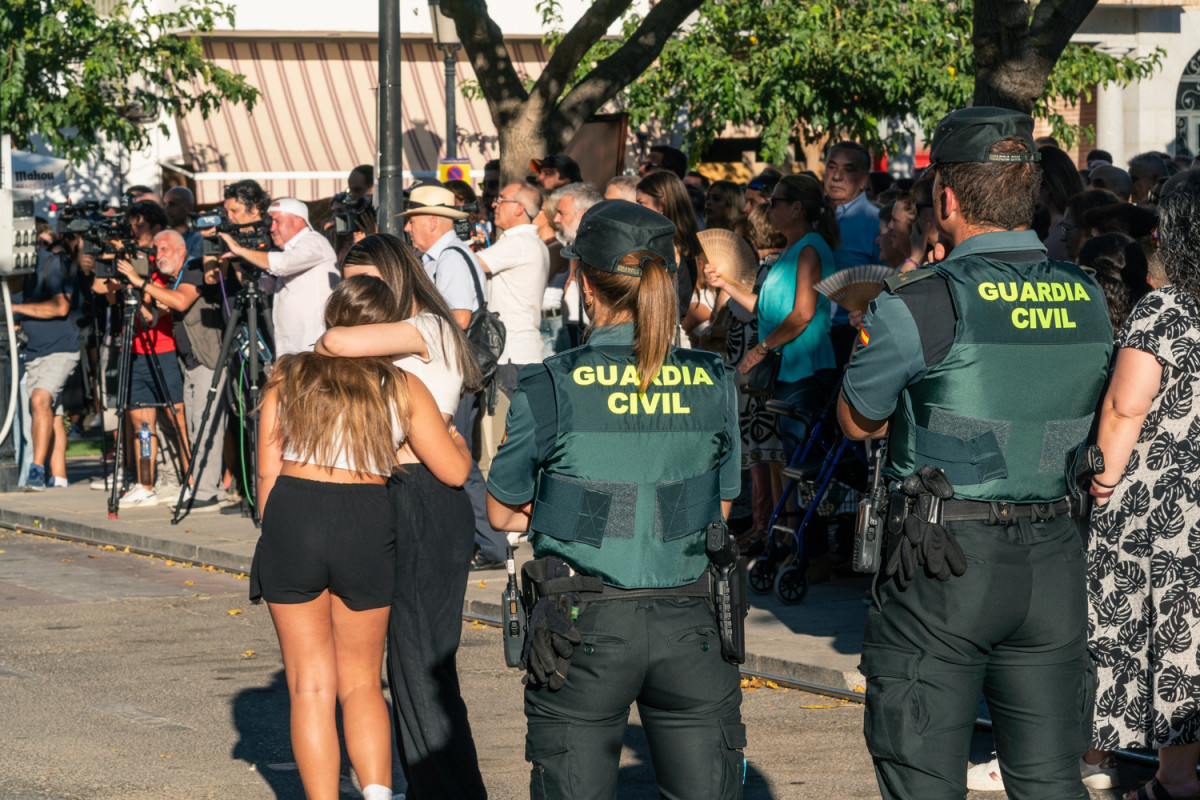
(650, 300)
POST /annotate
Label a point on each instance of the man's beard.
(565, 237)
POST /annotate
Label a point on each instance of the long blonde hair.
(327, 404)
(650, 300)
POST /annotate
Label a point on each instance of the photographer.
(153, 341)
(180, 203)
(51, 355)
(301, 275)
(195, 299)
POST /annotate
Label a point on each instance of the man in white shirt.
(571, 201)
(301, 275)
(517, 265)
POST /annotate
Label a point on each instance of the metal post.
(389, 176)
(451, 62)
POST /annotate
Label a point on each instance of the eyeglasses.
(500, 200)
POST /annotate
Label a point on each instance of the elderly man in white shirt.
(301, 275)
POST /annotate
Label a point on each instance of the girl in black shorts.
(329, 431)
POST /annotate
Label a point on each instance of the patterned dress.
(760, 428)
(1144, 549)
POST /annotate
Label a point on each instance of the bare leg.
(58, 448)
(305, 633)
(1177, 769)
(42, 424)
(358, 643)
(136, 417)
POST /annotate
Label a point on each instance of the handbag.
(486, 334)
(760, 381)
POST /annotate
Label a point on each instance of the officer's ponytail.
(651, 303)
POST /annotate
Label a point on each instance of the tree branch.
(483, 42)
(574, 46)
(622, 67)
(1053, 23)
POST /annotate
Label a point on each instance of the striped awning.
(317, 116)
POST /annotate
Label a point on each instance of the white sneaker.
(1100, 776)
(139, 496)
(985, 777)
(58, 482)
(104, 484)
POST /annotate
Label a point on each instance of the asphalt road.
(131, 678)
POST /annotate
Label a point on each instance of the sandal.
(1154, 790)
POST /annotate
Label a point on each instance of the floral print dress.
(1144, 549)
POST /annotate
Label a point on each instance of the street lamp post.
(389, 178)
(445, 36)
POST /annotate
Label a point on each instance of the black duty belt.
(590, 589)
(999, 513)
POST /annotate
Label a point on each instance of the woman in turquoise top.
(793, 319)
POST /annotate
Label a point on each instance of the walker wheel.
(761, 575)
(791, 584)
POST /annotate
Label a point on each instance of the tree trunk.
(522, 140)
(1017, 46)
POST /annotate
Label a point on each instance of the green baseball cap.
(967, 134)
(612, 229)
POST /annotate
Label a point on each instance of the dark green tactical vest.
(630, 482)
(1016, 393)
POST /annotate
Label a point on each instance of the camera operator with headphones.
(196, 302)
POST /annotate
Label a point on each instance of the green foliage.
(75, 76)
(872, 70)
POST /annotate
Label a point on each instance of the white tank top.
(439, 372)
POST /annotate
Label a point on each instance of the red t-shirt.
(161, 336)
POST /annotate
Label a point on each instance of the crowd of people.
(369, 332)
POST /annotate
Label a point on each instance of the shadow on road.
(260, 716)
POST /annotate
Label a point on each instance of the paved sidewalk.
(818, 640)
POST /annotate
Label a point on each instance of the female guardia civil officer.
(617, 456)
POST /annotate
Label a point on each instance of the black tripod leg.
(124, 379)
(255, 369)
(227, 342)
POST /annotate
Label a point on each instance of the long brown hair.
(810, 194)
(670, 191)
(415, 293)
(650, 300)
(330, 406)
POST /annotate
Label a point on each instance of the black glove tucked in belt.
(551, 641)
(925, 542)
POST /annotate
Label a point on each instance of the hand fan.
(854, 288)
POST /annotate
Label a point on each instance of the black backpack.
(487, 334)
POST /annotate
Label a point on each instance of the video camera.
(250, 235)
(462, 227)
(98, 230)
(345, 218)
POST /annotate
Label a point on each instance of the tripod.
(131, 304)
(246, 304)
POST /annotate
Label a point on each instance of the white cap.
(290, 205)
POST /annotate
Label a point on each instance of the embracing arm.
(381, 339)
(444, 454)
(270, 448)
(1135, 383)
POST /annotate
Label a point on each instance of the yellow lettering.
(1028, 292)
(700, 376)
(988, 291)
(679, 407)
(650, 404)
(670, 375)
(1043, 290)
(1008, 291)
(584, 376)
(630, 376)
(610, 379)
(1020, 318)
(1080, 294)
(1066, 321)
(1045, 318)
(617, 403)
(1058, 292)
(633, 403)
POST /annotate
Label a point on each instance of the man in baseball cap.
(983, 370)
(301, 274)
(555, 171)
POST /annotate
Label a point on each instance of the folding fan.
(854, 288)
(734, 258)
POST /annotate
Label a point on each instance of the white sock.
(376, 792)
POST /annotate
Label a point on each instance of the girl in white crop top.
(331, 421)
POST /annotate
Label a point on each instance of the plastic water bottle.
(144, 454)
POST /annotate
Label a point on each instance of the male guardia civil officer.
(984, 370)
